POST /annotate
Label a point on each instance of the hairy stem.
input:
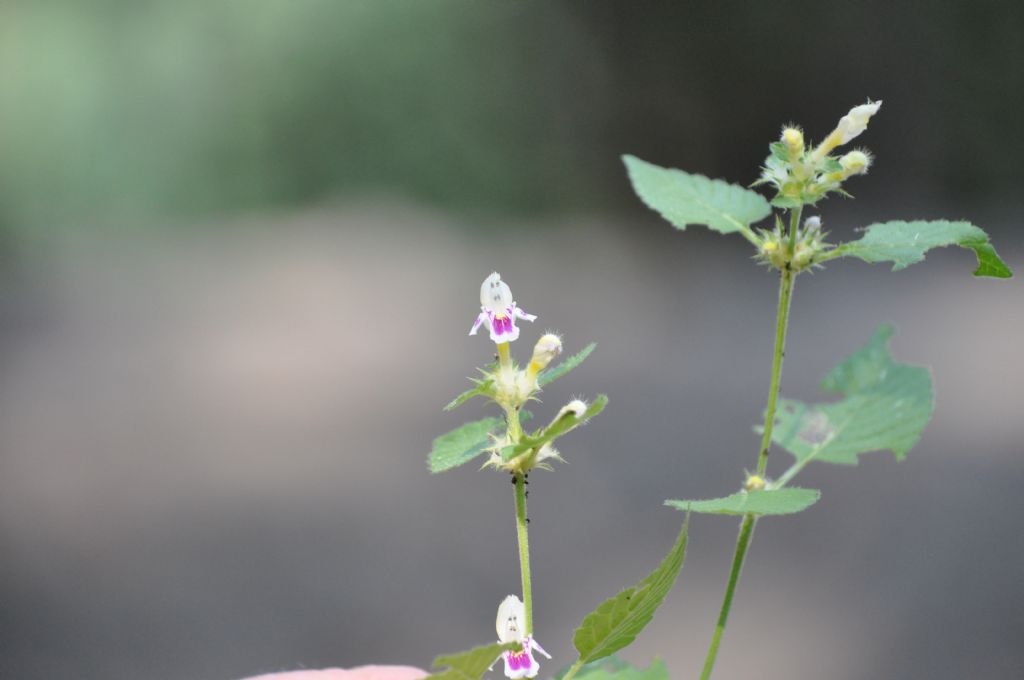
(524, 549)
(747, 526)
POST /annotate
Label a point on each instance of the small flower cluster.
(803, 176)
(512, 388)
(808, 244)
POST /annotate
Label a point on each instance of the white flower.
(499, 310)
(856, 121)
(850, 125)
(511, 624)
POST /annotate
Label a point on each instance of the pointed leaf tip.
(684, 199)
(905, 243)
(618, 620)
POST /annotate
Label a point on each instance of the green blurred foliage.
(144, 112)
(126, 109)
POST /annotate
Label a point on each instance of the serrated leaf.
(617, 621)
(904, 243)
(461, 445)
(762, 502)
(562, 424)
(885, 405)
(684, 199)
(469, 665)
(614, 668)
(552, 374)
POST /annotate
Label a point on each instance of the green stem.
(781, 322)
(573, 670)
(524, 550)
(742, 543)
(794, 226)
(515, 433)
(747, 526)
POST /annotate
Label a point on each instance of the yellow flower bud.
(855, 163)
(793, 138)
(547, 348)
(754, 483)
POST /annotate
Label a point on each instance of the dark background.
(240, 247)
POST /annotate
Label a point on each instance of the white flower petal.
(856, 121)
(495, 294)
(511, 621)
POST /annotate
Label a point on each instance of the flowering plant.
(882, 405)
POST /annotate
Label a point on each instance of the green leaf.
(618, 621)
(885, 405)
(904, 243)
(614, 668)
(684, 199)
(562, 424)
(786, 202)
(469, 665)
(552, 374)
(485, 388)
(461, 445)
(763, 502)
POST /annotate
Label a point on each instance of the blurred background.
(241, 243)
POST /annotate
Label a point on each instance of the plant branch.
(747, 526)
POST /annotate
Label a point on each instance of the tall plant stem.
(515, 433)
(746, 531)
(747, 525)
(781, 323)
(524, 550)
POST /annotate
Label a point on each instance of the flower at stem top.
(850, 126)
(511, 628)
(499, 310)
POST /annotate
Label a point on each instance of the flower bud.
(793, 138)
(547, 348)
(754, 483)
(773, 251)
(855, 163)
(576, 407)
(803, 256)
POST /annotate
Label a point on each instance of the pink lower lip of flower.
(358, 673)
(519, 660)
(502, 325)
